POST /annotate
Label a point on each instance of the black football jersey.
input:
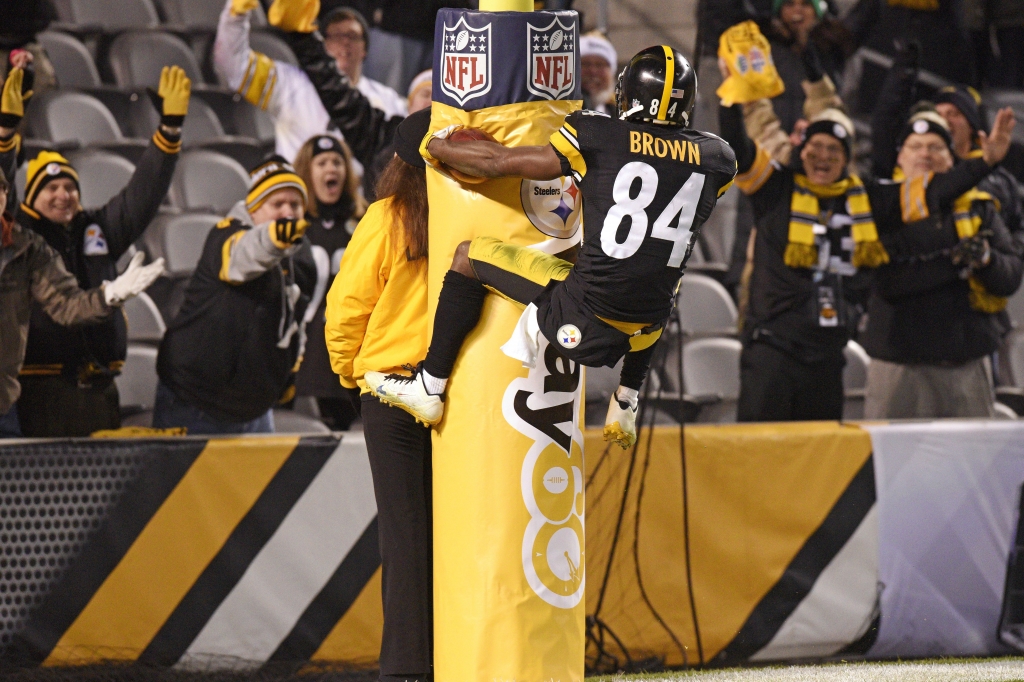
(647, 189)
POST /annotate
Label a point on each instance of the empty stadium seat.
(101, 175)
(855, 374)
(202, 13)
(855, 379)
(718, 233)
(75, 117)
(72, 62)
(272, 46)
(208, 180)
(137, 57)
(145, 324)
(137, 381)
(179, 239)
(202, 128)
(705, 307)
(111, 17)
(1012, 354)
(600, 384)
(1015, 308)
(711, 367)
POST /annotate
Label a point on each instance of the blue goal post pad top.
(488, 59)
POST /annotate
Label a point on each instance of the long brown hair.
(304, 167)
(406, 185)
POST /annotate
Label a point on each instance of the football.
(461, 39)
(467, 135)
(556, 39)
(470, 134)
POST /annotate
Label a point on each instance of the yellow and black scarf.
(914, 207)
(805, 212)
(968, 223)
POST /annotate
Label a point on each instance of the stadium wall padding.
(509, 546)
(253, 550)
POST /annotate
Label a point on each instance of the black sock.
(634, 367)
(458, 311)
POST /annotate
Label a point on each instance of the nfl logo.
(466, 61)
(552, 55)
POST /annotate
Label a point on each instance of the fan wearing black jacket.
(232, 351)
(68, 378)
(801, 311)
(934, 312)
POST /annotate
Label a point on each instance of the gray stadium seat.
(272, 46)
(71, 60)
(711, 367)
(138, 379)
(996, 99)
(112, 17)
(600, 384)
(136, 58)
(705, 307)
(1015, 307)
(202, 13)
(73, 116)
(718, 233)
(855, 379)
(179, 239)
(855, 374)
(207, 180)
(101, 175)
(202, 128)
(145, 324)
(1013, 357)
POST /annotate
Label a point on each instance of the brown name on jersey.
(679, 150)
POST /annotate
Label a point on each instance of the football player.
(648, 183)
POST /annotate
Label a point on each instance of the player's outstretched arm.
(491, 160)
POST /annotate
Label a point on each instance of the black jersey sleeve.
(720, 161)
(569, 146)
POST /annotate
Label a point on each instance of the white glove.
(620, 423)
(134, 280)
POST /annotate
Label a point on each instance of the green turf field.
(939, 670)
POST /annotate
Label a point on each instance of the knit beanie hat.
(326, 143)
(594, 44)
(273, 174)
(836, 124)
(43, 169)
(926, 121)
(966, 99)
(422, 79)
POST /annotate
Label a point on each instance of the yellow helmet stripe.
(670, 77)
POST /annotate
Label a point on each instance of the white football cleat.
(408, 393)
(620, 424)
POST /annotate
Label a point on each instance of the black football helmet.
(657, 85)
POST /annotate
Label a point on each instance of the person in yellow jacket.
(377, 318)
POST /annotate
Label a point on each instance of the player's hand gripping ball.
(467, 135)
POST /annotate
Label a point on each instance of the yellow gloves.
(242, 7)
(175, 90)
(294, 16)
(284, 233)
(171, 99)
(752, 73)
(12, 100)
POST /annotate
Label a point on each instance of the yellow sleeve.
(565, 140)
(361, 278)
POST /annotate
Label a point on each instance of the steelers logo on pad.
(569, 336)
